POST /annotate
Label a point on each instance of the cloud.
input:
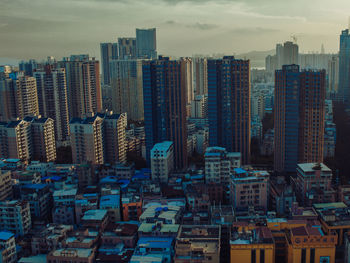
(203, 26)
(254, 30)
(197, 25)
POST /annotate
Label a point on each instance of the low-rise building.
(8, 253)
(168, 214)
(154, 247)
(120, 233)
(39, 198)
(310, 244)
(72, 255)
(198, 243)
(219, 164)
(111, 203)
(96, 219)
(313, 184)
(282, 196)
(162, 161)
(334, 217)
(132, 206)
(256, 245)
(158, 229)
(249, 188)
(15, 217)
(48, 238)
(83, 203)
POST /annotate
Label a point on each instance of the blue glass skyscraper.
(229, 105)
(344, 67)
(299, 117)
(164, 92)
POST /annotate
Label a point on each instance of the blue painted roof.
(12, 160)
(239, 171)
(156, 242)
(110, 200)
(109, 179)
(34, 186)
(4, 235)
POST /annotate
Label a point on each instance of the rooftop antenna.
(295, 39)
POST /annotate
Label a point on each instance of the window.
(303, 255)
(253, 256)
(312, 255)
(262, 255)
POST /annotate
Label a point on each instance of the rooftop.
(4, 235)
(110, 200)
(155, 242)
(312, 167)
(95, 214)
(163, 146)
(72, 252)
(260, 235)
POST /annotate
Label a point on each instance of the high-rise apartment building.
(109, 51)
(53, 99)
(299, 117)
(126, 87)
(200, 76)
(26, 97)
(99, 139)
(333, 74)
(344, 66)
(8, 108)
(115, 137)
(165, 100)
(229, 105)
(83, 85)
(127, 47)
(28, 67)
(29, 139)
(146, 43)
(286, 54)
(15, 140)
(199, 106)
(290, 53)
(87, 140)
(43, 139)
(6, 192)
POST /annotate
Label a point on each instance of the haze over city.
(38, 28)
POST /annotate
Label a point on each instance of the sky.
(40, 28)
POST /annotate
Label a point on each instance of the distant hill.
(9, 61)
(257, 58)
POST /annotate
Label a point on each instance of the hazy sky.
(38, 28)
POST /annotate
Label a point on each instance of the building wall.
(165, 100)
(229, 105)
(243, 253)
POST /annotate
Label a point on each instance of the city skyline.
(39, 29)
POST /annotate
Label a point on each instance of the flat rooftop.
(73, 252)
(312, 167)
(95, 214)
(155, 242)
